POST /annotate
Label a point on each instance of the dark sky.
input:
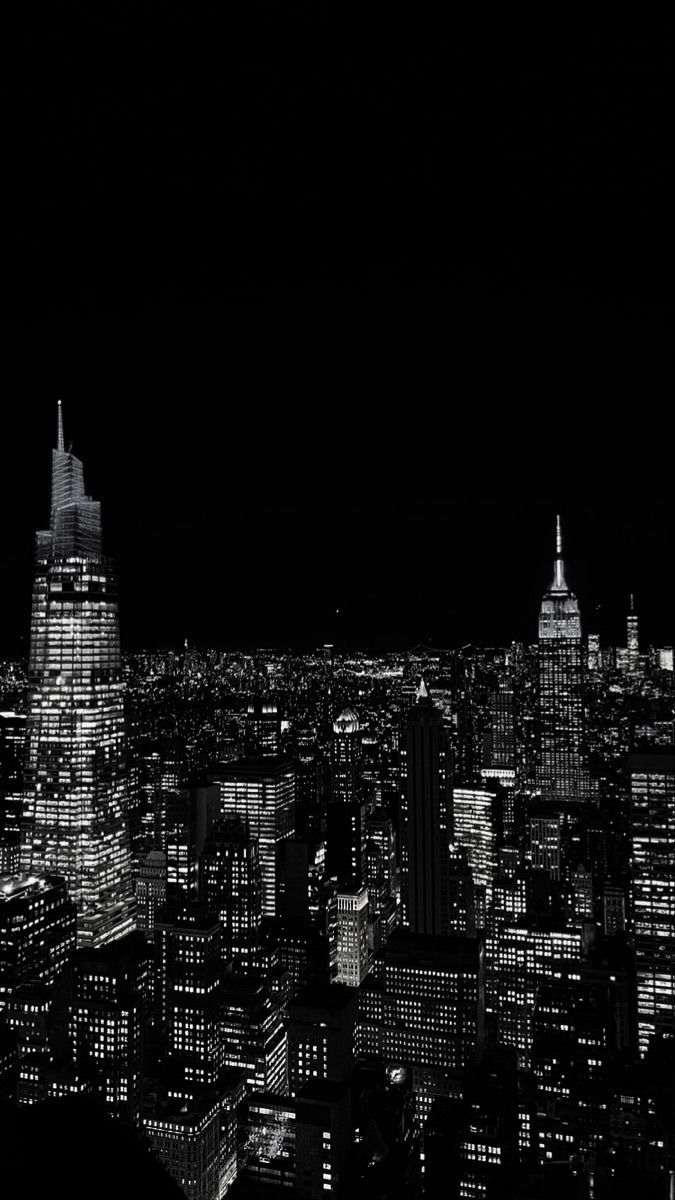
(341, 312)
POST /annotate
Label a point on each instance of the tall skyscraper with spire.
(562, 774)
(75, 818)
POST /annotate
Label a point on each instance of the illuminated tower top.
(559, 614)
(75, 523)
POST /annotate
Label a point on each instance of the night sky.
(341, 314)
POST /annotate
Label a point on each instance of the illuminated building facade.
(477, 830)
(37, 930)
(151, 891)
(321, 1024)
(263, 728)
(230, 881)
(422, 1006)
(545, 843)
(520, 957)
(253, 1033)
(632, 641)
(109, 1016)
(562, 774)
(186, 1139)
(12, 755)
(346, 757)
(352, 937)
(262, 791)
(76, 822)
(189, 947)
(653, 882)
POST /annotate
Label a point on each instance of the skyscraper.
(653, 870)
(75, 821)
(632, 640)
(562, 774)
(262, 791)
(426, 818)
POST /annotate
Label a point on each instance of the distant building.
(352, 937)
(562, 773)
(151, 891)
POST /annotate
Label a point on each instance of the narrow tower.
(75, 817)
(562, 774)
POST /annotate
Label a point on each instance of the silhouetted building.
(231, 883)
(426, 819)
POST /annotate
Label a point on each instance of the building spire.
(559, 581)
(60, 445)
(632, 603)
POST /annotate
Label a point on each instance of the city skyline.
(618, 546)
(337, 684)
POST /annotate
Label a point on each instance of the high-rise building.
(253, 1032)
(76, 822)
(37, 930)
(426, 818)
(12, 755)
(185, 1137)
(632, 640)
(546, 843)
(109, 1020)
(478, 829)
(562, 773)
(188, 938)
(422, 1006)
(263, 727)
(520, 957)
(346, 843)
(352, 937)
(653, 879)
(321, 1024)
(230, 880)
(346, 756)
(499, 749)
(150, 891)
(262, 791)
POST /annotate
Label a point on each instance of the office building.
(562, 774)
(37, 930)
(262, 792)
(653, 893)
(76, 819)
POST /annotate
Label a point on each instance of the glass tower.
(75, 817)
(562, 774)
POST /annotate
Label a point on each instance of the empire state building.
(75, 817)
(562, 774)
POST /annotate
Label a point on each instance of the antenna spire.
(558, 537)
(59, 437)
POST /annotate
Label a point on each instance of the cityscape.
(336, 923)
(337, 657)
